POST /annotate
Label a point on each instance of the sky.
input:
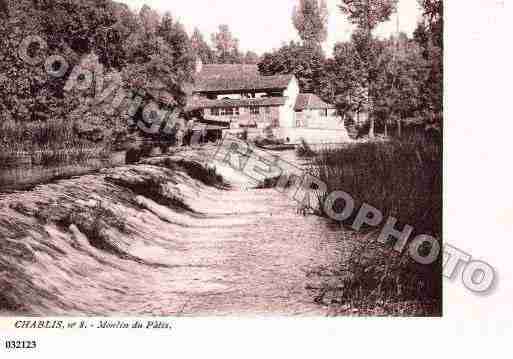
(264, 25)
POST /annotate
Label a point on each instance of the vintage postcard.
(234, 159)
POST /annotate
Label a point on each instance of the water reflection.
(27, 176)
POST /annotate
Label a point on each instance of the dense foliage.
(429, 36)
(310, 18)
(225, 49)
(304, 61)
(389, 80)
(367, 14)
(145, 50)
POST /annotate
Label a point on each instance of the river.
(236, 251)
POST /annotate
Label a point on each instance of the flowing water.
(212, 251)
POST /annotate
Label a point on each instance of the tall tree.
(401, 82)
(181, 62)
(201, 48)
(366, 15)
(69, 28)
(161, 56)
(149, 19)
(85, 26)
(429, 35)
(341, 80)
(310, 17)
(305, 62)
(152, 54)
(398, 76)
(226, 46)
(433, 13)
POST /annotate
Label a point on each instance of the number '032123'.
(20, 344)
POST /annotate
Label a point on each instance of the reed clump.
(403, 179)
(45, 143)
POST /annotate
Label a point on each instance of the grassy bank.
(402, 179)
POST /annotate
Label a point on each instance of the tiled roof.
(247, 102)
(225, 78)
(310, 101)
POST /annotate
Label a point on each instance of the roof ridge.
(237, 77)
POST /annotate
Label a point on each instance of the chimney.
(199, 65)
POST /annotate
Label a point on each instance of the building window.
(230, 111)
(255, 110)
(268, 110)
(323, 113)
(226, 111)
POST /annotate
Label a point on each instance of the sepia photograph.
(170, 158)
(255, 179)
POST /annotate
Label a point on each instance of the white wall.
(287, 111)
(313, 136)
(313, 120)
